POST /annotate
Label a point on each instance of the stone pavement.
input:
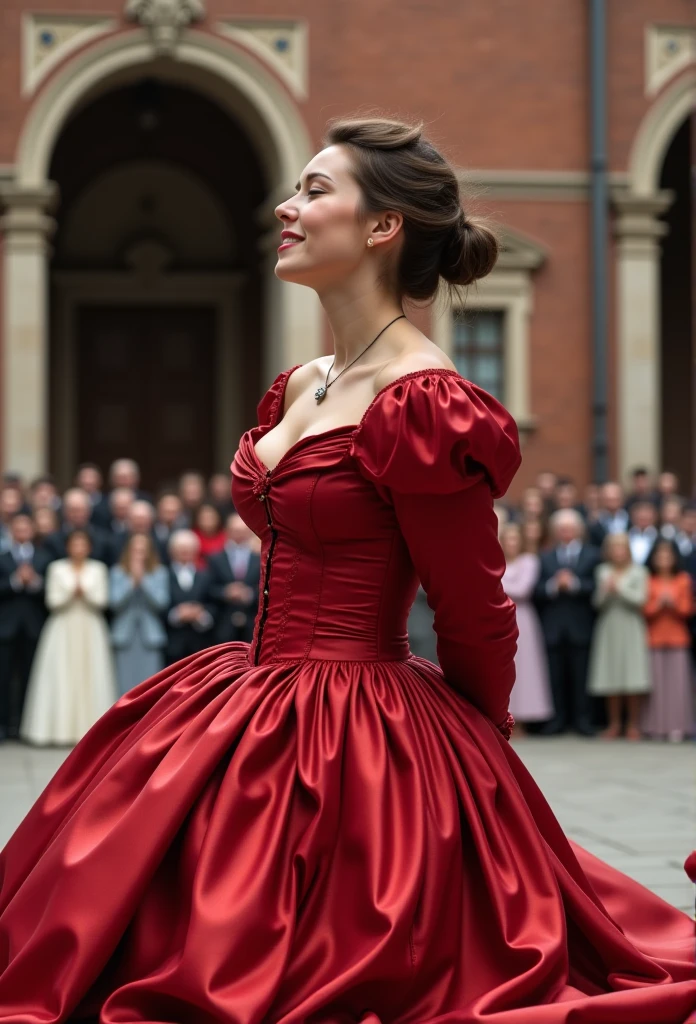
(632, 804)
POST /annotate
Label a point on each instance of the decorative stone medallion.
(165, 20)
(668, 51)
(281, 44)
(47, 39)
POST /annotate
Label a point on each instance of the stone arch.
(219, 68)
(225, 72)
(639, 229)
(656, 131)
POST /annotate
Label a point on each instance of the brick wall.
(501, 85)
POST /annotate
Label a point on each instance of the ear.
(384, 228)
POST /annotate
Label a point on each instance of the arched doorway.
(650, 266)
(268, 123)
(678, 349)
(156, 283)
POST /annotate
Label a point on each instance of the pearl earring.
(370, 242)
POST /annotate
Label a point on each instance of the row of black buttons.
(267, 569)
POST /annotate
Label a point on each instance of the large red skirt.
(318, 842)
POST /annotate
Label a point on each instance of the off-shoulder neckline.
(278, 405)
(354, 428)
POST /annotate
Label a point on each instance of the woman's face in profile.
(323, 239)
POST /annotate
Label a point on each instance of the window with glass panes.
(478, 349)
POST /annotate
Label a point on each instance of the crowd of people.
(102, 588)
(604, 587)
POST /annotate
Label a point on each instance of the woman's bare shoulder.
(425, 357)
(305, 376)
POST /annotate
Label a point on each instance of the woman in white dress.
(72, 681)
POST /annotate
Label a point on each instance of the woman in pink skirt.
(670, 709)
(531, 694)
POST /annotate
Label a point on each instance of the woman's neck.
(356, 316)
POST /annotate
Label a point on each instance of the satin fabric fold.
(320, 828)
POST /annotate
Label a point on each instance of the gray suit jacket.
(143, 606)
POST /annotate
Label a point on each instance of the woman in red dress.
(209, 530)
(318, 827)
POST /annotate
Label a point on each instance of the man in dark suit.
(22, 615)
(219, 494)
(191, 617)
(168, 518)
(77, 510)
(90, 480)
(234, 583)
(124, 475)
(563, 594)
(141, 519)
(10, 504)
(642, 488)
(613, 517)
(119, 503)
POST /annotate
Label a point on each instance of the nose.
(286, 212)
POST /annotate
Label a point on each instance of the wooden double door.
(146, 389)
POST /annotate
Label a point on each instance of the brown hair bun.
(397, 168)
(469, 253)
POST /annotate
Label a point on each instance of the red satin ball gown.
(319, 828)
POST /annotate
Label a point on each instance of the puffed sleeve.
(268, 408)
(440, 449)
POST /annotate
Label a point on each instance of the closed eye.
(316, 192)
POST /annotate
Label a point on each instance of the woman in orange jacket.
(670, 603)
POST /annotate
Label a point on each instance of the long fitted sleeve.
(440, 449)
(454, 547)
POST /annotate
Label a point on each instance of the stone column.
(638, 232)
(26, 228)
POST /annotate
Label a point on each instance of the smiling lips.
(289, 238)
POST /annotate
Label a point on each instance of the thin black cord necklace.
(320, 393)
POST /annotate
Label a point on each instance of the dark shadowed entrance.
(146, 387)
(156, 279)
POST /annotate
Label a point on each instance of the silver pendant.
(320, 394)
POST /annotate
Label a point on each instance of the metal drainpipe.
(599, 207)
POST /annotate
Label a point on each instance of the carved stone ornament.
(165, 19)
(670, 49)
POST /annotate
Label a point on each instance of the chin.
(286, 269)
